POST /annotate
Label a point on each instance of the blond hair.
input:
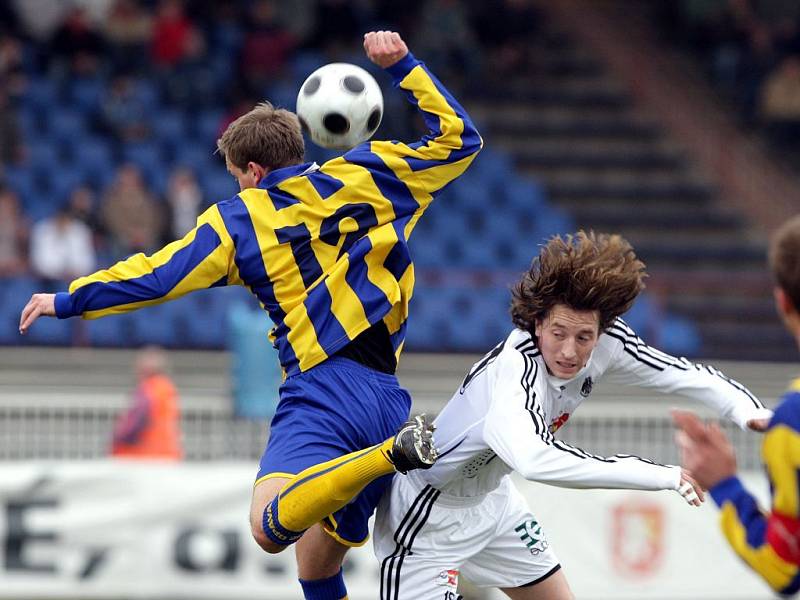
(266, 135)
(585, 271)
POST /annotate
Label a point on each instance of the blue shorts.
(333, 409)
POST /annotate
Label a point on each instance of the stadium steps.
(569, 125)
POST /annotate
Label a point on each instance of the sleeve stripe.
(756, 402)
(531, 368)
(631, 339)
(681, 362)
(635, 354)
(97, 295)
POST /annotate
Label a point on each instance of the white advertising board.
(125, 529)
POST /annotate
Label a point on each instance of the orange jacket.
(150, 428)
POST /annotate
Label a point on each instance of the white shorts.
(424, 539)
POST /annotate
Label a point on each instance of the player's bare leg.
(283, 508)
(554, 587)
(319, 556)
(263, 493)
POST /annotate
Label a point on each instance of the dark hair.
(266, 135)
(784, 259)
(585, 271)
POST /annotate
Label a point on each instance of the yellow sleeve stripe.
(776, 571)
(431, 100)
(781, 455)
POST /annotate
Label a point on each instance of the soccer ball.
(340, 105)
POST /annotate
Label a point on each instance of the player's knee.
(266, 544)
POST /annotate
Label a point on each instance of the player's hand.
(705, 450)
(384, 48)
(760, 423)
(39, 305)
(690, 489)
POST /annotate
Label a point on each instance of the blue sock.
(332, 588)
(273, 528)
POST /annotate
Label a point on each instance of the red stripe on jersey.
(783, 534)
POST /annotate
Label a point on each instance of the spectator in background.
(453, 55)
(336, 25)
(124, 111)
(266, 48)
(131, 215)
(780, 101)
(77, 47)
(61, 248)
(13, 235)
(192, 82)
(11, 148)
(150, 427)
(11, 68)
(506, 29)
(83, 207)
(129, 31)
(171, 34)
(185, 201)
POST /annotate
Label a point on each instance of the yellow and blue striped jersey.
(324, 249)
(770, 543)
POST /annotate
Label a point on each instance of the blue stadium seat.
(86, 94)
(93, 159)
(427, 250)
(205, 128)
(112, 331)
(304, 63)
(680, 337)
(169, 127)
(19, 179)
(30, 121)
(65, 124)
(148, 157)
(40, 94)
(156, 325)
(194, 155)
(50, 332)
(218, 184)
(522, 193)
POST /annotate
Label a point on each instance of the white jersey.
(503, 417)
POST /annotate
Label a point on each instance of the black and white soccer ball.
(340, 105)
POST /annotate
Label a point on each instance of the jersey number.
(299, 238)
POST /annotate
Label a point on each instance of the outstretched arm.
(636, 363)
(517, 429)
(452, 141)
(202, 259)
(769, 543)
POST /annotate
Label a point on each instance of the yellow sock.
(321, 490)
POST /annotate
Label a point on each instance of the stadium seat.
(40, 94)
(112, 331)
(93, 158)
(169, 128)
(194, 155)
(218, 184)
(65, 124)
(86, 94)
(204, 129)
(148, 157)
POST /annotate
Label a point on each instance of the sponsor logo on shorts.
(448, 578)
(531, 534)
